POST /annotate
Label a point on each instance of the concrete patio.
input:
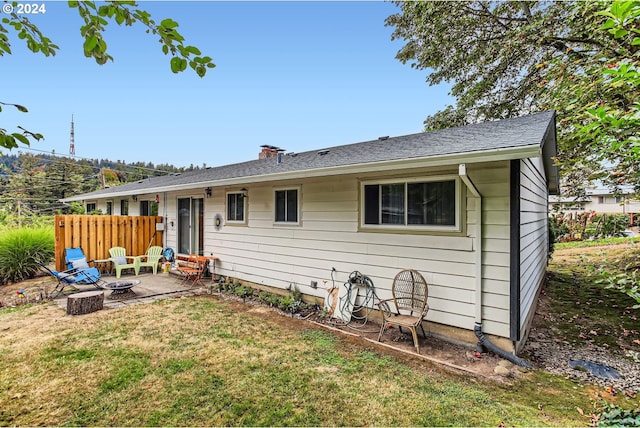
(152, 287)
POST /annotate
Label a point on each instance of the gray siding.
(534, 242)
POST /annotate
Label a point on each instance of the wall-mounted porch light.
(244, 192)
(207, 192)
(134, 197)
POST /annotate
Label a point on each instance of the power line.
(52, 154)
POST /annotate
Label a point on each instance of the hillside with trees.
(34, 184)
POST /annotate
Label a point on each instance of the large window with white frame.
(287, 205)
(431, 203)
(236, 208)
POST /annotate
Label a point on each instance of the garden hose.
(359, 310)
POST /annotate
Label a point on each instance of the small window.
(109, 207)
(286, 202)
(432, 204)
(148, 208)
(124, 207)
(91, 207)
(235, 207)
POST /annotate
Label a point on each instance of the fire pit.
(121, 289)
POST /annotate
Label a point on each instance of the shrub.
(20, 248)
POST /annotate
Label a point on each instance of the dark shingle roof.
(520, 132)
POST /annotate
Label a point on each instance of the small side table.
(104, 265)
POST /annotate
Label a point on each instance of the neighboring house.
(599, 200)
(378, 207)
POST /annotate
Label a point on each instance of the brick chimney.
(268, 152)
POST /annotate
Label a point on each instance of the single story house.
(599, 200)
(467, 207)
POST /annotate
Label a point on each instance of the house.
(377, 207)
(599, 200)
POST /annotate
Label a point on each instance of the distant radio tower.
(72, 146)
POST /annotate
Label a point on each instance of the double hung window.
(235, 208)
(286, 206)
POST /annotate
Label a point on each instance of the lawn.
(203, 361)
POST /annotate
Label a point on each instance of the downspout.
(484, 342)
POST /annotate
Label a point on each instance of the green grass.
(199, 361)
(580, 310)
(596, 243)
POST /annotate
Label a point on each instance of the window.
(419, 203)
(124, 207)
(148, 208)
(609, 199)
(109, 207)
(286, 206)
(235, 207)
(91, 206)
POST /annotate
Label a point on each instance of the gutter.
(483, 341)
(378, 166)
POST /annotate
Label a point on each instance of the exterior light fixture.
(207, 192)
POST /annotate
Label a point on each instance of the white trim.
(457, 227)
(298, 221)
(244, 208)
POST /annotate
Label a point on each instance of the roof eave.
(381, 166)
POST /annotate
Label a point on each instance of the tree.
(96, 19)
(615, 126)
(512, 58)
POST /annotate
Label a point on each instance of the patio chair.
(75, 259)
(408, 307)
(72, 277)
(151, 258)
(192, 269)
(120, 261)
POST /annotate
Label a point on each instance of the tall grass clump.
(19, 248)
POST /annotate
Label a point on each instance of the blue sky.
(297, 75)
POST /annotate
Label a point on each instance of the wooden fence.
(95, 234)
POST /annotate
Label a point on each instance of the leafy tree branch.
(96, 18)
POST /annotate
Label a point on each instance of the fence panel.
(95, 234)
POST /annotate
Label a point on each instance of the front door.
(191, 226)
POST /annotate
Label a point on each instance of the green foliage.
(96, 19)
(606, 225)
(292, 303)
(614, 123)
(18, 250)
(625, 282)
(596, 242)
(614, 416)
(11, 140)
(511, 58)
(586, 225)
